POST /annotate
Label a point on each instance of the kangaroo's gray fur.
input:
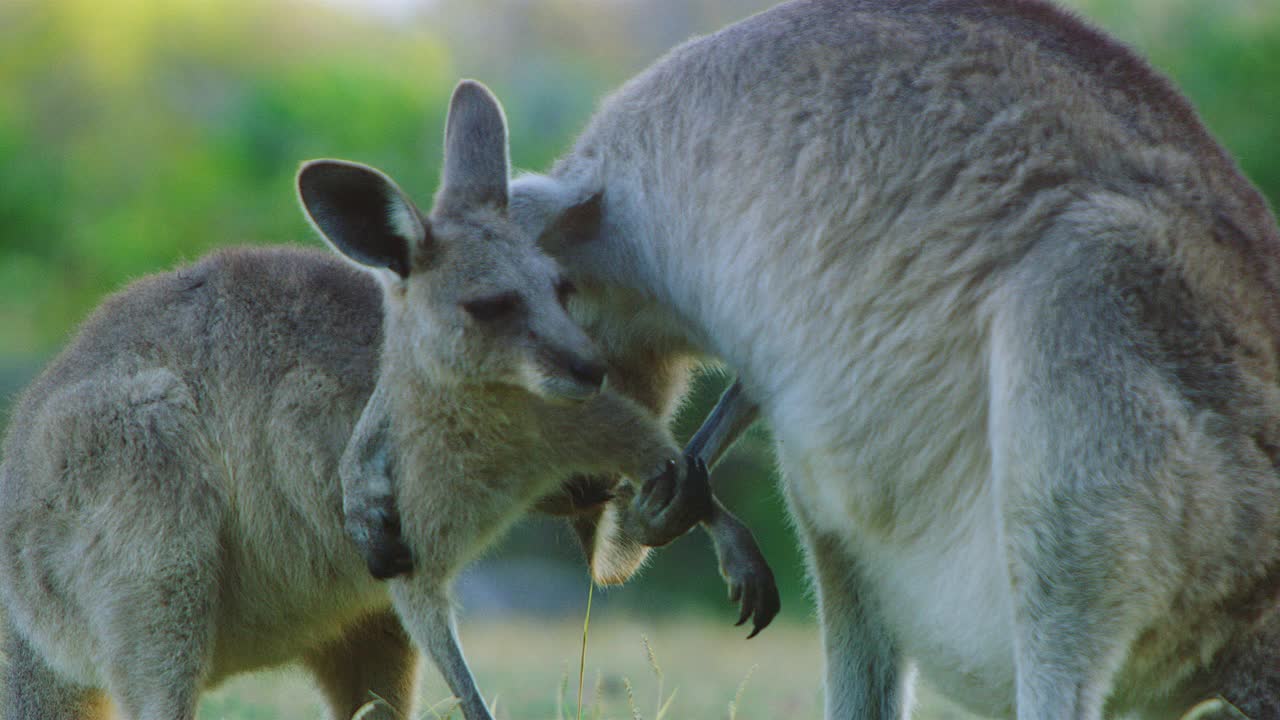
(1012, 315)
(170, 503)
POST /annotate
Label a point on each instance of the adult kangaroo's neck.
(697, 234)
(674, 270)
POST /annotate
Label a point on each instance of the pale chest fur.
(878, 396)
(472, 460)
(887, 450)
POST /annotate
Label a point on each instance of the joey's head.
(469, 296)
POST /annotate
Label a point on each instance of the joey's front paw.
(670, 503)
(745, 570)
(376, 532)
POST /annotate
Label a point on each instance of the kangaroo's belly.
(947, 600)
(891, 457)
(942, 590)
(247, 643)
(290, 579)
(264, 622)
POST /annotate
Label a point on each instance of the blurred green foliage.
(137, 134)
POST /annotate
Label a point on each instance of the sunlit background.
(138, 134)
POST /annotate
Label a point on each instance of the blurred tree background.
(138, 134)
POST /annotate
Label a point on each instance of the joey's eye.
(564, 289)
(494, 307)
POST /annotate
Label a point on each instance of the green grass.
(688, 669)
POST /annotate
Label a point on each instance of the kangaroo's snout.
(588, 372)
(572, 376)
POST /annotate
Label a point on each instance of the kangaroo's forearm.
(732, 415)
(671, 502)
(367, 465)
(743, 567)
(611, 433)
(367, 472)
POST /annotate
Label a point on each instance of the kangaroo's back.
(877, 150)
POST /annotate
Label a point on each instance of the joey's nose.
(587, 372)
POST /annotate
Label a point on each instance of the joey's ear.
(577, 224)
(559, 215)
(362, 214)
(475, 149)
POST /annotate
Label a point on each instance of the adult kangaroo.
(1011, 313)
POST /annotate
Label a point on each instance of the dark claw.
(744, 568)
(766, 609)
(664, 489)
(767, 606)
(650, 486)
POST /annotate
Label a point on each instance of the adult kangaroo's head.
(469, 295)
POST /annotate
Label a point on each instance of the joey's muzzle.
(588, 373)
(573, 377)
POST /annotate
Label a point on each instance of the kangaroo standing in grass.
(170, 503)
(1013, 316)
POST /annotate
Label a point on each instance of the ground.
(526, 665)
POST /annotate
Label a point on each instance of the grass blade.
(582, 661)
(737, 697)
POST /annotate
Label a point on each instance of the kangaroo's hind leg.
(158, 642)
(141, 540)
(372, 660)
(33, 691)
(1123, 495)
(866, 675)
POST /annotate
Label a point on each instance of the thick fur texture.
(1012, 315)
(171, 509)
